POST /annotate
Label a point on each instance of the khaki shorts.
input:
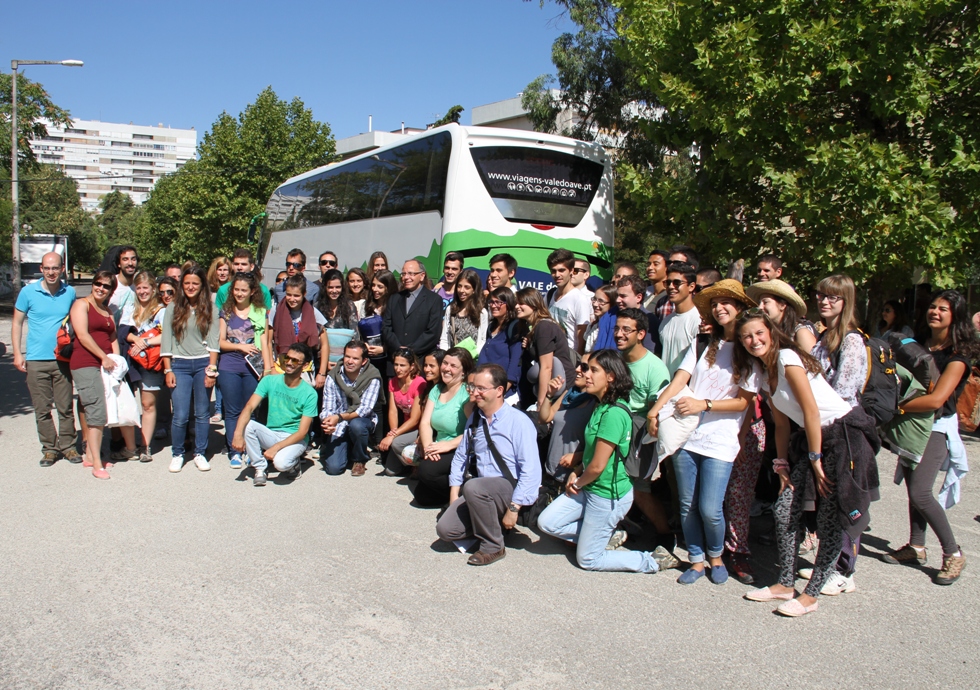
(91, 395)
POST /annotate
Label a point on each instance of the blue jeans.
(589, 520)
(334, 452)
(701, 486)
(190, 378)
(235, 388)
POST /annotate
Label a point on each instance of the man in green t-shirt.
(650, 376)
(292, 408)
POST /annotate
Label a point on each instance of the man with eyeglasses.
(43, 305)
(649, 376)
(413, 317)
(350, 397)
(629, 295)
(495, 471)
(296, 265)
(242, 262)
(292, 409)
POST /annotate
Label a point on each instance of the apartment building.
(107, 156)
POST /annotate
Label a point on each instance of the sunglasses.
(286, 359)
(295, 264)
(675, 283)
(280, 280)
(104, 286)
(699, 288)
(580, 270)
(167, 292)
(327, 262)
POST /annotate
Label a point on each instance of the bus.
(475, 190)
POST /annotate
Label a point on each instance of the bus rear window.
(533, 185)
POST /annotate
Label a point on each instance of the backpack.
(637, 464)
(881, 391)
(916, 358)
(65, 344)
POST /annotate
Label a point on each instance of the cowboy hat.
(780, 289)
(723, 288)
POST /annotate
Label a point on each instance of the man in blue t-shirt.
(292, 408)
(43, 305)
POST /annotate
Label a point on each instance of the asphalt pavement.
(200, 580)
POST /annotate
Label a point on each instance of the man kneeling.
(499, 458)
(348, 416)
(292, 409)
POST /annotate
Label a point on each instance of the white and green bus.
(475, 190)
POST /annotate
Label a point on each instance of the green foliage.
(838, 135)
(204, 209)
(33, 103)
(452, 115)
(117, 220)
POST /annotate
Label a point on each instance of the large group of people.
(677, 399)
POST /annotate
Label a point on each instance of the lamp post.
(14, 191)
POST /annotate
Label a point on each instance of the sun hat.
(778, 288)
(723, 288)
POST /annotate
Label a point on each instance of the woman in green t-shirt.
(599, 492)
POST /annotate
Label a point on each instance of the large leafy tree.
(34, 105)
(204, 209)
(840, 135)
(118, 218)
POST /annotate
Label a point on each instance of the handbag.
(65, 343)
(968, 405)
(528, 515)
(149, 358)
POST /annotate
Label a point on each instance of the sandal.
(794, 609)
(100, 474)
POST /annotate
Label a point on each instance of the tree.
(33, 104)
(839, 135)
(204, 209)
(452, 115)
(117, 220)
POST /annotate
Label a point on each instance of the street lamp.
(14, 192)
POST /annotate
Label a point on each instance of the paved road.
(199, 580)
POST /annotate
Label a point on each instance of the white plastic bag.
(122, 408)
(674, 429)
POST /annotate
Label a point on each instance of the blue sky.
(183, 63)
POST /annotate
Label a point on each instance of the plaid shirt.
(335, 402)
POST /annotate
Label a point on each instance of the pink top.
(403, 401)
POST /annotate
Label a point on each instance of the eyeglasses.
(833, 299)
(327, 262)
(699, 288)
(52, 269)
(104, 286)
(473, 388)
(675, 283)
(295, 264)
(411, 273)
(624, 331)
(495, 304)
(169, 293)
(286, 359)
(753, 313)
(580, 270)
(596, 300)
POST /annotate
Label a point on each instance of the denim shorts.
(91, 395)
(151, 380)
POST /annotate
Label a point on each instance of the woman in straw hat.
(704, 463)
(786, 309)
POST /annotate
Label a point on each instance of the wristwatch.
(708, 404)
(814, 456)
(168, 371)
(514, 508)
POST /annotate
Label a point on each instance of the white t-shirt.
(121, 303)
(717, 433)
(832, 407)
(571, 311)
(677, 332)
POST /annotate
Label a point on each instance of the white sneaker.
(837, 584)
(177, 463)
(202, 463)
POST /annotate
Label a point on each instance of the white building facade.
(105, 156)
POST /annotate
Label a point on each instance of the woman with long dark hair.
(189, 349)
(338, 309)
(598, 491)
(893, 319)
(377, 262)
(503, 344)
(382, 286)
(243, 332)
(404, 410)
(953, 343)
(833, 440)
(546, 352)
(465, 316)
(786, 309)
(599, 334)
(358, 286)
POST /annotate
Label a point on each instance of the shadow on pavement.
(14, 396)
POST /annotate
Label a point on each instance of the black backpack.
(882, 389)
(637, 466)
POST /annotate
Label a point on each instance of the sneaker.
(124, 454)
(49, 458)
(907, 555)
(838, 584)
(617, 539)
(201, 462)
(665, 559)
(292, 474)
(72, 456)
(740, 568)
(805, 573)
(358, 469)
(809, 543)
(235, 461)
(952, 569)
(215, 418)
(177, 463)
(259, 479)
(145, 455)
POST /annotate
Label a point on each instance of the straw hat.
(723, 288)
(780, 289)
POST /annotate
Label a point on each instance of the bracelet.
(168, 371)
(780, 464)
